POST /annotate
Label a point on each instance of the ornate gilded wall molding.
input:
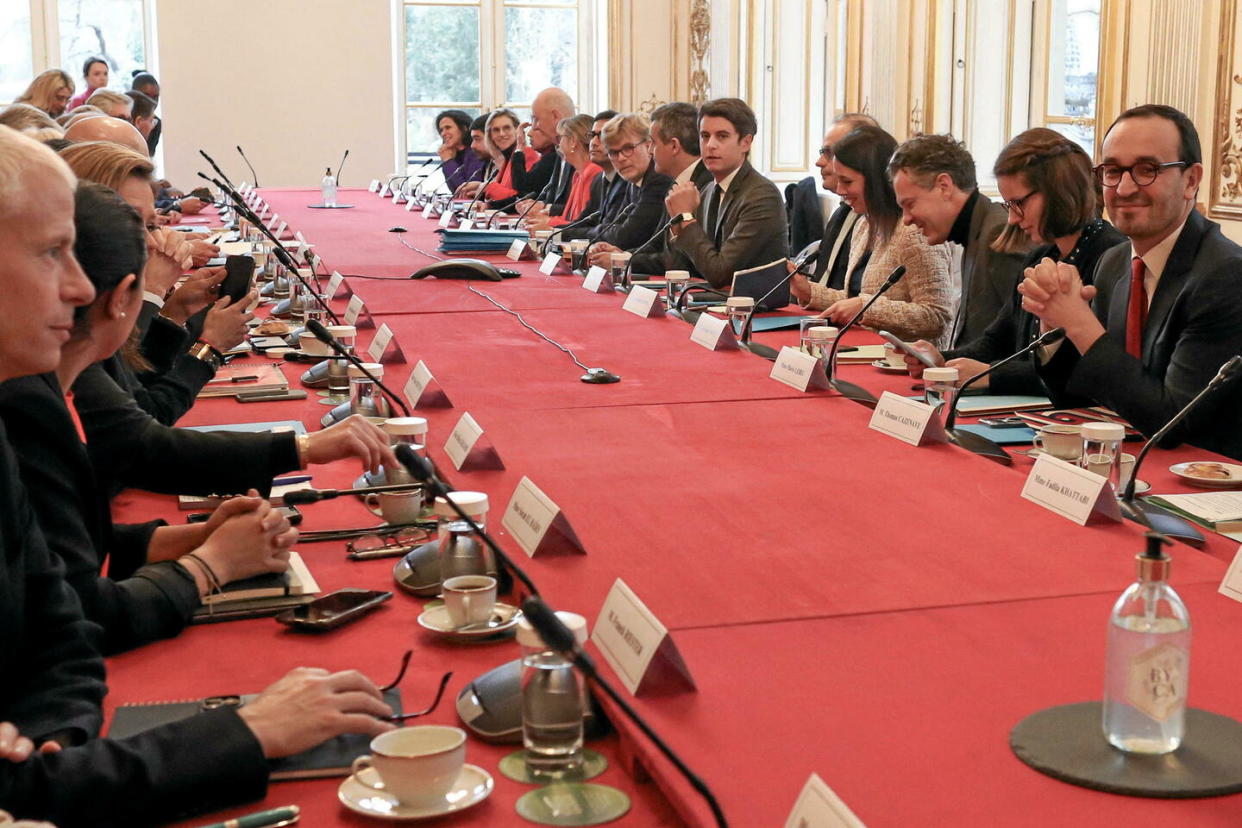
(1225, 199)
(700, 44)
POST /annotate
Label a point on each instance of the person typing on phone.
(1051, 198)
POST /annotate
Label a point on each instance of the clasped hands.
(1054, 292)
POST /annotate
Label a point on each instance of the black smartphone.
(334, 609)
(238, 275)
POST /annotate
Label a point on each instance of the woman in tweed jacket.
(921, 305)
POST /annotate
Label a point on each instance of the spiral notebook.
(332, 758)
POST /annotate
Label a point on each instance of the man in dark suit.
(628, 141)
(550, 177)
(934, 179)
(675, 153)
(1168, 307)
(53, 676)
(738, 221)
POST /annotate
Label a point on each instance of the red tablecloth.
(847, 604)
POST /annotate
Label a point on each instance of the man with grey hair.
(549, 179)
(53, 675)
(628, 141)
(113, 103)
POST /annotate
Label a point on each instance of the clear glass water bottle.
(553, 701)
(676, 280)
(939, 386)
(280, 282)
(328, 188)
(739, 309)
(365, 397)
(1147, 664)
(460, 550)
(1101, 450)
(338, 369)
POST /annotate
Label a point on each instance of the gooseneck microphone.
(301, 497)
(848, 389)
(247, 160)
(424, 472)
(325, 336)
(977, 443)
(340, 167)
(487, 182)
(278, 249)
(1150, 515)
(492, 217)
(559, 638)
(543, 250)
(597, 234)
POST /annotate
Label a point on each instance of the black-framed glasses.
(826, 153)
(625, 150)
(1017, 205)
(1142, 174)
(592, 135)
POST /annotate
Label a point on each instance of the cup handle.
(1037, 442)
(361, 764)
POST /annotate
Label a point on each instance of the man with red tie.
(1167, 308)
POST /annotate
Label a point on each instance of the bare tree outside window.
(111, 29)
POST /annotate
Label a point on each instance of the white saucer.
(889, 369)
(472, 787)
(435, 618)
(1234, 478)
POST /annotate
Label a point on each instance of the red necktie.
(1136, 313)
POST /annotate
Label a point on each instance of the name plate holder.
(519, 250)
(356, 313)
(469, 448)
(598, 280)
(385, 191)
(714, 333)
(398, 197)
(799, 370)
(423, 391)
(644, 302)
(551, 264)
(637, 646)
(818, 806)
(335, 283)
(446, 219)
(1072, 492)
(910, 421)
(384, 347)
(429, 209)
(538, 524)
(279, 230)
(374, 186)
(1231, 584)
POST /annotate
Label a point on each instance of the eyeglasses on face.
(1142, 174)
(625, 150)
(826, 153)
(1017, 205)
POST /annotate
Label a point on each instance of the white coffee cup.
(401, 507)
(1106, 469)
(469, 599)
(1062, 441)
(417, 765)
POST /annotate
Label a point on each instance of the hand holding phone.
(907, 348)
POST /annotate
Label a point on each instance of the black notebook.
(332, 758)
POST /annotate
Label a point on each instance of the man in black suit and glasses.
(1167, 307)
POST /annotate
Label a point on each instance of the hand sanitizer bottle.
(328, 186)
(1147, 665)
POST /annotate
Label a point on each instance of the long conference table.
(847, 605)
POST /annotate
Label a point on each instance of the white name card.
(467, 448)
(595, 280)
(799, 370)
(375, 185)
(422, 390)
(910, 421)
(536, 523)
(301, 239)
(643, 301)
(356, 313)
(1070, 491)
(429, 210)
(398, 197)
(315, 261)
(465, 224)
(446, 218)
(517, 250)
(550, 262)
(410, 205)
(713, 333)
(635, 643)
(384, 191)
(818, 806)
(384, 341)
(244, 188)
(335, 283)
(280, 228)
(1231, 586)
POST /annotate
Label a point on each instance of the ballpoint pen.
(262, 819)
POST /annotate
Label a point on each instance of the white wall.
(294, 82)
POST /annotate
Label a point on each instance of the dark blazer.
(803, 212)
(646, 211)
(128, 447)
(988, 277)
(53, 674)
(155, 601)
(832, 230)
(1194, 324)
(608, 198)
(1013, 328)
(169, 389)
(753, 230)
(651, 260)
(535, 180)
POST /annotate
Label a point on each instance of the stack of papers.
(479, 241)
(1218, 511)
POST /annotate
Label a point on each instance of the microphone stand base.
(855, 393)
(599, 376)
(760, 350)
(980, 445)
(1164, 522)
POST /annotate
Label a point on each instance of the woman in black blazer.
(158, 574)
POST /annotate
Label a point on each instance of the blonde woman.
(50, 91)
